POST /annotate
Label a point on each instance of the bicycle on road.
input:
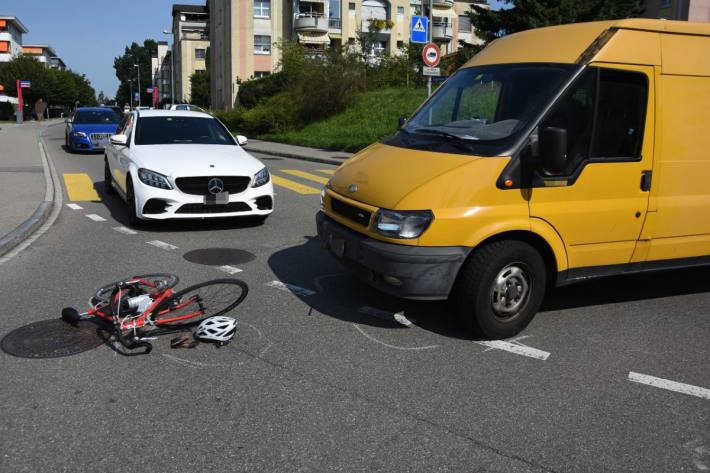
(140, 308)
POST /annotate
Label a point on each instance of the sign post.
(19, 85)
(431, 54)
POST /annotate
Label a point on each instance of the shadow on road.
(340, 294)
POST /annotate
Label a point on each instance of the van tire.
(510, 268)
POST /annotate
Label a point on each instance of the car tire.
(500, 288)
(133, 220)
(108, 185)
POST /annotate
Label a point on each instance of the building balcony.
(442, 32)
(443, 3)
(334, 24)
(366, 27)
(311, 22)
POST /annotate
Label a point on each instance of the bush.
(255, 91)
(232, 119)
(6, 111)
(276, 114)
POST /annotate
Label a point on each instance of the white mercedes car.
(176, 164)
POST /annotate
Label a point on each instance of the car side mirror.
(553, 149)
(401, 121)
(68, 120)
(242, 140)
(119, 140)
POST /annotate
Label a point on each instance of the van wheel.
(501, 288)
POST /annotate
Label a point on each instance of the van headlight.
(261, 178)
(153, 179)
(402, 224)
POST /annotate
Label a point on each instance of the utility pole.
(172, 69)
(139, 84)
(130, 88)
(429, 38)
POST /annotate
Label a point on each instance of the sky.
(89, 34)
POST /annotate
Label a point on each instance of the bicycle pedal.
(71, 316)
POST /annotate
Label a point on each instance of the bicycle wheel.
(147, 284)
(196, 303)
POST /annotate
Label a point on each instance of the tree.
(200, 84)
(101, 98)
(528, 14)
(127, 73)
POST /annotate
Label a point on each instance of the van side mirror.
(553, 149)
(401, 121)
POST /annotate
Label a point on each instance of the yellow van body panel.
(631, 47)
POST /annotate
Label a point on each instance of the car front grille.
(350, 212)
(213, 208)
(199, 185)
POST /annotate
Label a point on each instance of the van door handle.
(646, 181)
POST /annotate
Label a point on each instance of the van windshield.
(480, 109)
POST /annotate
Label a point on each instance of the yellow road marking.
(80, 187)
(294, 186)
(326, 171)
(306, 175)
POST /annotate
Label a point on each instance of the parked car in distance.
(553, 156)
(90, 128)
(115, 108)
(186, 106)
(170, 164)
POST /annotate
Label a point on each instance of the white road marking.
(300, 291)
(125, 231)
(162, 245)
(95, 218)
(385, 315)
(75, 206)
(669, 385)
(517, 348)
(229, 269)
(395, 347)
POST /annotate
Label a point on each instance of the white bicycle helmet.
(219, 329)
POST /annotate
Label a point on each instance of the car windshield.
(104, 117)
(181, 130)
(481, 107)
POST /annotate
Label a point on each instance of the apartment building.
(690, 10)
(190, 43)
(161, 68)
(11, 31)
(45, 54)
(244, 32)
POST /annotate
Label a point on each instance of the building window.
(351, 6)
(464, 23)
(400, 11)
(262, 8)
(262, 44)
(666, 3)
(199, 53)
(260, 74)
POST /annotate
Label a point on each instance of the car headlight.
(78, 134)
(261, 178)
(153, 179)
(402, 224)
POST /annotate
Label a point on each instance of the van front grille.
(350, 212)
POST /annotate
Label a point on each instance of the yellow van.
(553, 156)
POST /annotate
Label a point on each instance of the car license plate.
(221, 198)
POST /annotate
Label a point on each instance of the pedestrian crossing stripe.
(419, 26)
(80, 187)
(306, 175)
(294, 186)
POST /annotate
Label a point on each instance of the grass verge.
(372, 116)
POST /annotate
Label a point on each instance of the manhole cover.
(51, 339)
(218, 256)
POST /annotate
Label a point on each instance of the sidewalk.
(23, 184)
(298, 152)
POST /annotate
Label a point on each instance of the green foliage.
(6, 111)
(54, 86)
(254, 91)
(126, 71)
(232, 119)
(527, 14)
(276, 114)
(372, 116)
(200, 88)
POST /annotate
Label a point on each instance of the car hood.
(95, 128)
(384, 176)
(196, 160)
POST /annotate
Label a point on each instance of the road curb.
(283, 154)
(41, 213)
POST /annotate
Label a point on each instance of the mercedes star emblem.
(352, 188)
(215, 186)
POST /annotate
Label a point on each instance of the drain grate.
(218, 256)
(51, 339)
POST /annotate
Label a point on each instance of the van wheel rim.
(510, 291)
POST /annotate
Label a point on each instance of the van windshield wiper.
(446, 134)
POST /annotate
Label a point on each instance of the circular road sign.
(431, 55)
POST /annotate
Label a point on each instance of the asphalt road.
(326, 378)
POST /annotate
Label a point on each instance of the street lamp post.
(139, 84)
(172, 69)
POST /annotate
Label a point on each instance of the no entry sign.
(431, 55)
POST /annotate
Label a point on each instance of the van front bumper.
(411, 272)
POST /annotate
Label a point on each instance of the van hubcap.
(510, 290)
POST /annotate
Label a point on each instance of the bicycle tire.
(104, 293)
(203, 300)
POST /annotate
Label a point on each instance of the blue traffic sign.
(25, 84)
(420, 24)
